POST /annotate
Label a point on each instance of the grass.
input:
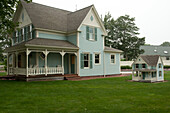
(108, 95)
(2, 73)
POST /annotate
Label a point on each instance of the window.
(112, 58)
(137, 65)
(97, 58)
(167, 58)
(160, 73)
(153, 74)
(143, 65)
(22, 16)
(86, 60)
(91, 33)
(160, 65)
(137, 73)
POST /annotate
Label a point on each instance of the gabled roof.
(42, 42)
(108, 49)
(151, 60)
(51, 18)
(156, 50)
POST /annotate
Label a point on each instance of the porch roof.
(145, 70)
(41, 42)
(108, 49)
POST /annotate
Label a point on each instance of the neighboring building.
(163, 51)
(148, 68)
(54, 41)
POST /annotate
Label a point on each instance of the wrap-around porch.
(41, 62)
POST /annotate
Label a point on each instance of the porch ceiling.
(43, 43)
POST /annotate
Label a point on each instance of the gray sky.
(152, 16)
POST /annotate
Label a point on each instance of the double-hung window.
(112, 59)
(86, 60)
(97, 58)
(91, 33)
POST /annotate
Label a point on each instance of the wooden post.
(27, 56)
(46, 54)
(62, 54)
(16, 71)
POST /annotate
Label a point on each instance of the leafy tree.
(123, 35)
(7, 26)
(165, 43)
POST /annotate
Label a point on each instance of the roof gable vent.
(166, 52)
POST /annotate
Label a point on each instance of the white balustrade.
(54, 70)
(36, 71)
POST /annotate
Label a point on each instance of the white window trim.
(99, 58)
(93, 38)
(114, 58)
(88, 60)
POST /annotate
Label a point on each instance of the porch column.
(76, 63)
(45, 53)
(7, 64)
(62, 54)
(16, 59)
(27, 55)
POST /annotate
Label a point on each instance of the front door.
(72, 59)
(143, 74)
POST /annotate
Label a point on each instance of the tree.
(123, 35)
(166, 43)
(7, 26)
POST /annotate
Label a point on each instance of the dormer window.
(160, 65)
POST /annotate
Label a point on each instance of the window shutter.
(25, 33)
(14, 36)
(87, 32)
(33, 31)
(91, 61)
(82, 60)
(95, 34)
(18, 38)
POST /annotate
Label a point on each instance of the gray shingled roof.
(108, 49)
(42, 42)
(151, 60)
(156, 50)
(47, 17)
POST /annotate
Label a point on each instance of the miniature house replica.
(148, 68)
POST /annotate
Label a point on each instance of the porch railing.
(54, 70)
(35, 71)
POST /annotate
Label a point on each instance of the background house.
(163, 51)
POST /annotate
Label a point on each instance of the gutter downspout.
(104, 64)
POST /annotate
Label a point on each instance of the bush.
(126, 67)
(166, 67)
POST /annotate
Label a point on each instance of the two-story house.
(51, 41)
(148, 68)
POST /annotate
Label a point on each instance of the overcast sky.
(152, 16)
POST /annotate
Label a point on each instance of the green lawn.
(108, 95)
(2, 73)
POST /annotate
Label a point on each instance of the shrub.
(126, 67)
(166, 67)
